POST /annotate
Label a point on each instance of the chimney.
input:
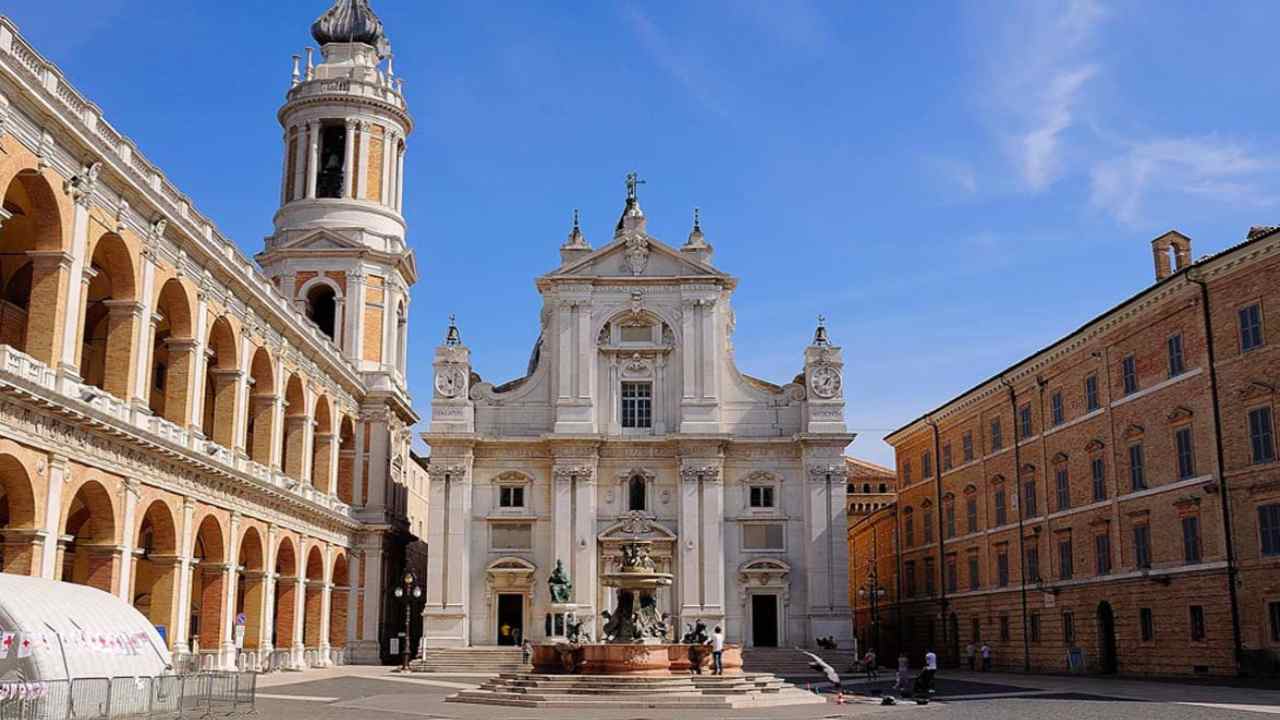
(1171, 252)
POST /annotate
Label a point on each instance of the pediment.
(1180, 414)
(1256, 389)
(323, 239)
(637, 254)
(1094, 445)
(1133, 431)
(636, 526)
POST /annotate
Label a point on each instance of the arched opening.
(1108, 660)
(106, 352)
(866, 488)
(155, 567)
(346, 460)
(208, 588)
(312, 619)
(260, 429)
(322, 448)
(221, 373)
(171, 355)
(17, 518)
(30, 311)
(338, 601)
(884, 488)
(286, 594)
(90, 557)
(295, 428)
(322, 308)
(251, 586)
(636, 492)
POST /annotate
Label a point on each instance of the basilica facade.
(634, 423)
(221, 442)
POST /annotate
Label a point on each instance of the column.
(267, 627)
(584, 549)
(74, 301)
(313, 157)
(564, 336)
(688, 348)
(712, 542)
(362, 169)
(322, 473)
(59, 473)
(379, 461)
(446, 620)
(229, 583)
(400, 177)
(301, 150)
(348, 167)
(374, 586)
(688, 549)
(388, 160)
(76, 313)
(392, 295)
(354, 337)
(298, 650)
(357, 468)
(278, 430)
(129, 491)
(710, 357)
(353, 602)
(284, 168)
(146, 335)
(198, 362)
(326, 606)
(562, 526)
(181, 634)
(243, 398)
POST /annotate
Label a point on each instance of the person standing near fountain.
(716, 641)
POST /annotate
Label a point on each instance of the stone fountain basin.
(634, 659)
(637, 581)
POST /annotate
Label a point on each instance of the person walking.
(904, 669)
(986, 657)
(930, 669)
(716, 641)
(971, 656)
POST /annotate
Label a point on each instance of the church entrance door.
(510, 619)
(764, 620)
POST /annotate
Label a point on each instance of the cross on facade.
(633, 181)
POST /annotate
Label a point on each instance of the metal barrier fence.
(168, 697)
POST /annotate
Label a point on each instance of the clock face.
(449, 382)
(825, 381)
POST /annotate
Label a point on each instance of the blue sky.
(952, 185)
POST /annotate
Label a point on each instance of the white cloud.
(1222, 170)
(1038, 66)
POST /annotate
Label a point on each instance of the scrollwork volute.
(565, 473)
(820, 473)
(704, 473)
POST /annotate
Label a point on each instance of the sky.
(953, 185)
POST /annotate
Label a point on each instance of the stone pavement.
(352, 692)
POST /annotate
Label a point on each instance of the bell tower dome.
(338, 249)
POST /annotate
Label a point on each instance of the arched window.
(636, 493)
(884, 488)
(322, 308)
(866, 488)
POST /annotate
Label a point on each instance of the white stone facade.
(739, 483)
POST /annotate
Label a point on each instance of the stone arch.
(251, 565)
(339, 599)
(172, 354)
(33, 267)
(346, 459)
(222, 373)
(287, 582)
(322, 447)
(313, 605)
(17, 518)
(110, 317)
(208, 582)
(90, 557)
(295, 428)
(155, 569)
(321, 298)
(260, 428)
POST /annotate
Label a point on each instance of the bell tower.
(338, 251)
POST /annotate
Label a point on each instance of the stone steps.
(633, 692)
(788, 661)
(478, 660)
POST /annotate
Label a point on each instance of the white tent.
(54, 630)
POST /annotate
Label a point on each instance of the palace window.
(1197, 622)
(1129, 371)
(1137, 474)
(926, 465)
(510, 496)
(1033, 563)
(1191, 539)
(950, 511)
(1004, 628)
(1260, 438)
(1269, 526)
(1147, 623)
(762, 536)
(637, 491)
(1034, 622)
(952, 580)
(909, 528)
(966, 446)
(1098, 468)
(511, 536)
(1068, 627)
(1024, 421)
(1064, 488)
(1142, 545)
(906, 472)
(1091, 401)
(928, 526)
(1273, 610)
(946, 456)
(1029, 499)
(1002, 569)
(1186, 455)
(971, 514)
(637, 405)
(1055, 402)
(930, 583)
(997, 435)
(1066, 560)
(974, 579)
(1250, 327)
(761, 496)
(1002, 510)
(1176, 364)
(1102, 551)
(909, 569)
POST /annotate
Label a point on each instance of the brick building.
(221, 443)
(1070, 510)
(873, 544)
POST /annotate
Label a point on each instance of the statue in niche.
(560, 585)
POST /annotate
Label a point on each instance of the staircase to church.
(708, 692)
(789, 662)
(472, 660)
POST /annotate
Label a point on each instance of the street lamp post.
(407, 591)
(871, 590)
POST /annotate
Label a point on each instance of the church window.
(333, 151)
(637, 405)
(762, 536)
(636, 492)
(511, 497)
(761, 496)
(512, 536)
(322, 308)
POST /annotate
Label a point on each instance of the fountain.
(637, 664)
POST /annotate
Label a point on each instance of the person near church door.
(716, 641)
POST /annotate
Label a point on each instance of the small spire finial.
(575, 219)
(632, 216)
(453, 338)
(576, 240)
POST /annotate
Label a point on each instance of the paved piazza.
(343, 693)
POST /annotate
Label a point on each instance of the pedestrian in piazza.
(930, 669)
(716, 641)
(869, 664)
(986, 657)
(971, 656)
(904, 669)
